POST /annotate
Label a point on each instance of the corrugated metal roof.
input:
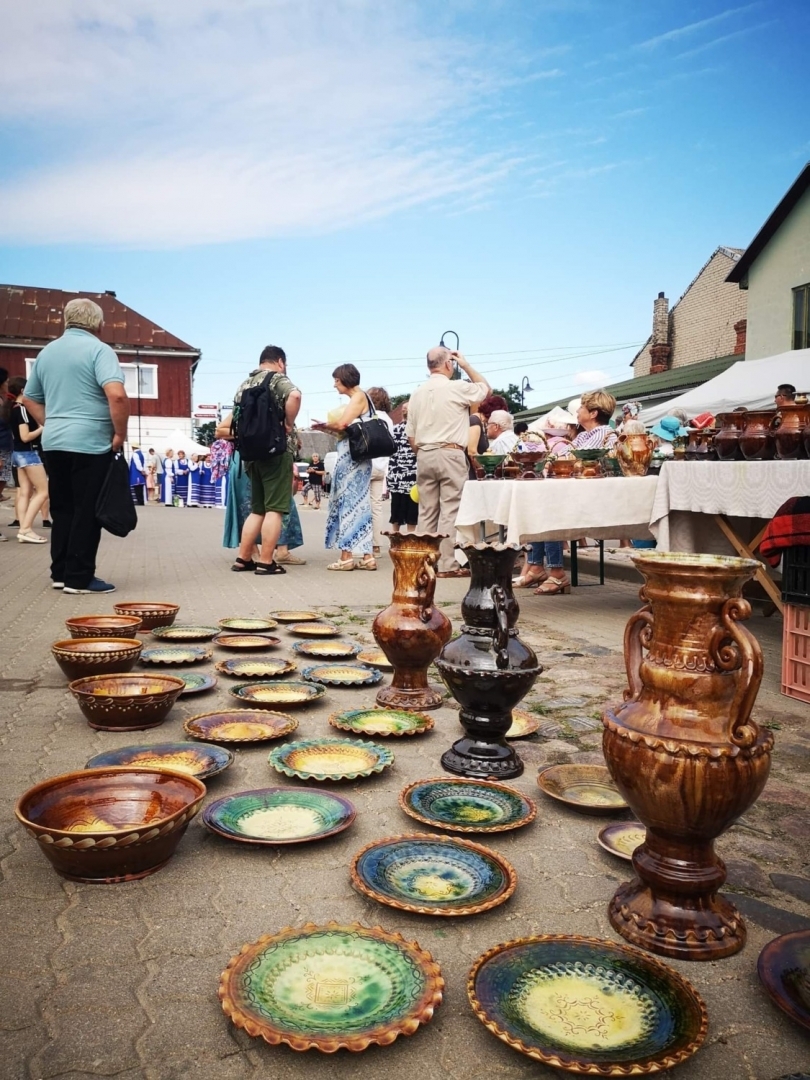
(665, 384)
(29, 314)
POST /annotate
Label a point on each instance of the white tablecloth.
(610, 508)
(748, 493)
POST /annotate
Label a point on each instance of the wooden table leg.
(746, 551)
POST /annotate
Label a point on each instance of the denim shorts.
(21, 459)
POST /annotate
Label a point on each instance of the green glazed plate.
(433, 875)
(331, 987)
(250, 626)
(279, 815)
(176, 654)
(185, 633)
(382, 722)
(467, 805)
(622, 838)
(330, 759)
(267, 695)
(196, 682)
(263, 667)
(587, 1006)
(199, 761)
(342, 675)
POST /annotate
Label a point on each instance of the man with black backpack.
(264, 411)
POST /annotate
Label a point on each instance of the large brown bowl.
(111, 824)
(126, 702)
(96, 656)
(151, 613)
(84, 626)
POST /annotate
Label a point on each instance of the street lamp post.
(525, 386)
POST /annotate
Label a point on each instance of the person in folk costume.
(167, 480)
(137, 474)
(152, 463)
(208, 489)
(194, 476)
(181, 479)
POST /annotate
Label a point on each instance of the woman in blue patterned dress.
(348, 525)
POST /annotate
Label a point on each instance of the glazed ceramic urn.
(684, 750)
(487, 669)
(756, 439)
(634, 454)
(727, 439)
(412, 630)
(787, 427)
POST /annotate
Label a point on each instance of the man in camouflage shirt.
(270, 481)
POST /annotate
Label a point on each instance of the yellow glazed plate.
(622, 838)
(583, 787)
(240, 725)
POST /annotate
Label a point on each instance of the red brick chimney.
(740, 329)
(660, 349)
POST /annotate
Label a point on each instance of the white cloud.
(591, 379)
(691, 28)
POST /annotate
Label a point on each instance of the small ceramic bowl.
(126, 702)
(103, 626)
(96, 656)
(151, 613)
(112, 824)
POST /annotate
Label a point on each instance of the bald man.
(438, 427)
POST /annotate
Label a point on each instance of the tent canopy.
(751, 383)
(176, 440)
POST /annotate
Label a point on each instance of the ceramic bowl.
(96, 626)
(151, 613)
(96, 656)
(185, 757)
(126, 702)
(112, 824)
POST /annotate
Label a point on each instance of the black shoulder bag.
(370, 438)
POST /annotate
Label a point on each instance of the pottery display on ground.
(634, 453)
(330, 759)
(185, 633)
(412, 630)
(727, 436)
(684, 751)
(756, 438)
(487, 669)
(787, 428)
(783, 967)
(474, 806)
(185, 757)
(279, 815)
(96, 656)
(379, 721)
(239, 725)
(126, 702)
(111, 824)
(96, 626)
(586, 788)
(151, 613)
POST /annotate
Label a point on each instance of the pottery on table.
(589, 463)
(487, 669)
(96, 626)
(412, 630)
(111, 824)
(783, 967)
(528, 461)
(700, 444)
(331, 987)
(184, 757)
(126, 702)
(756, 439)
(684, 751)
(459, 805)
(379, 721)
(634, 453)
(278, 815)
(787, 428)
(151, 613)
(727, 435)
(239, 725)
(587, 788)
(96, 656)
(489, 463)
(561, 468)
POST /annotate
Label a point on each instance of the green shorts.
(270, 484)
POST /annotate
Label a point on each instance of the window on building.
(140, 380)
(29, 366)
(801, 317)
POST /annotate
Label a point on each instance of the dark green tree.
(397, 399)
(205, 433)
(512, 398)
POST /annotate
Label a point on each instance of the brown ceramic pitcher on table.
(634, 454)
(756, 438)
(684, 750)
(787, 428)
(727, 438)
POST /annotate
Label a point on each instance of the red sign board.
(208, 407)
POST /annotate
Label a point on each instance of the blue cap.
(669, 428)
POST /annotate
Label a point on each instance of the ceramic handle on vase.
(424, 584)
(502, 630)
(637, 637)
(734, 647)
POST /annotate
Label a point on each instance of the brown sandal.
(526, 582)
(553, 586)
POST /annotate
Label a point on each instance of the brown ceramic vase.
(684, 751)
(411, 630)
(488, 669)
(634, 454)
(756, 439)
(788, 426)
(727, 439)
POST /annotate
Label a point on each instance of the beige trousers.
(380, 510)
(440, 477)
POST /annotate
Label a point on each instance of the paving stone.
(566, 703)
(744, 874)
(549, 729)
(773, 918)
(797, 825)
(795, 886)
(583, 723)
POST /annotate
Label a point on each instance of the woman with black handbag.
(348, 525)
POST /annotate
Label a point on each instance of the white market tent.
(751, 383)
(176, 440)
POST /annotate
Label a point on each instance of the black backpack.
(258, 426)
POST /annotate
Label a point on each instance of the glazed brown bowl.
(111, 824)
(151, 613)
(84, 626)
(126, 702)
(96, 656)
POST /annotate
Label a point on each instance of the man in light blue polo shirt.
(76, 390)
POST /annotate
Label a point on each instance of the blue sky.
(349, 178)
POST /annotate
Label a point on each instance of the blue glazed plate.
(199, 761)
(433, 875)
(587, 1006)
(176, 654)
(467, 805)
(195, 682)
(342, 675)
(330, 759)
(279, 815)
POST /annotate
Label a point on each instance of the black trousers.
(74, 481)
(137, 494)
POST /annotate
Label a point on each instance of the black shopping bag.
(115, 510)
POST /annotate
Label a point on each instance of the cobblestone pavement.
(121, 980)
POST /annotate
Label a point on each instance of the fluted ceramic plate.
(433, 875)
(342, 675)
(279, 815)
(196, 682)
(467, 805)
(583, 787)
(248, 625)
(587, 1006)
(622, 838)
(331, 987)
(784, 970)
(246, 642)
(296, 616)
(382, 722)
(199, 761)
(265, 667)
(330, 759)
(376, 658)
(314, 630)
(240, 725)
(176, 654)
(523, 724)
(264, 695)
(326, 650)
(184, 633)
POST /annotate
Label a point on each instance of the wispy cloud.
(722, 40)
(592, 378)
(691, 28)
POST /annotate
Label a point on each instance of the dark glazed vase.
(787, 427)
(756, 439)
(488, 669)
(684, 751)
(411, 631)
(727, 439)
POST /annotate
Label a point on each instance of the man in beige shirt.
(438, 428)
